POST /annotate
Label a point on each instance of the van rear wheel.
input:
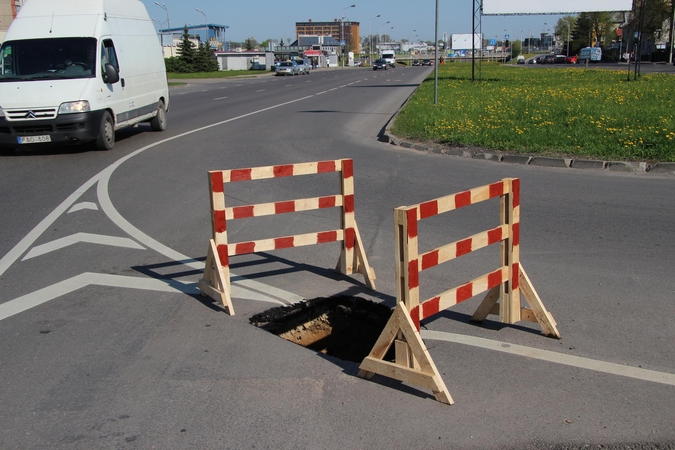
(158, 123)
(106, 133)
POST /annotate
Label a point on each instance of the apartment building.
(347, 31)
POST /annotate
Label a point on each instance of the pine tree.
(206, 60)
(186, 51)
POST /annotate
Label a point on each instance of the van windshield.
(48, 59)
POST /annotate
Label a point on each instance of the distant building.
(212, 33)
(346, 31)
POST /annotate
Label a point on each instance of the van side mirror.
(110, 76)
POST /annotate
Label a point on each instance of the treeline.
(192, 58)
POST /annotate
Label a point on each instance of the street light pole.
(379, 35)
(168, 22)
(206, 24)
(342, 31)
(569, 31)
(370, 36)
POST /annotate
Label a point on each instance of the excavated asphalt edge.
(667, 168)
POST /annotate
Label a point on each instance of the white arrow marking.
(83, 205)
(44, 295)
(63, 242)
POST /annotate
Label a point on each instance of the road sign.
(507, 36)
(342, 43)
(493, 41)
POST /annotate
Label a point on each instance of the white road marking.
(554, 357)
(322, 92)
(73, 239)
(28, 301)
(83, 205)
(220, 98)
(260, 90)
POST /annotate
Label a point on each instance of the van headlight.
(74, 107)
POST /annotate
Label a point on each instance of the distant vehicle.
(416, 62)
(571, 59)
(520, 59)
(62, 73)
(380, 64)
(548, 59)
(390, 57)
(559, 59)
(592, 54)
(303, 67)
(287, 68)
(427, 62)
(358, 63)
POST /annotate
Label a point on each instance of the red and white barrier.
(504, 284)
(216, 281)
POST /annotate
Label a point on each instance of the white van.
(390, 57)
(74, 71)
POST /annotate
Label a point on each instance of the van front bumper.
(76, 128)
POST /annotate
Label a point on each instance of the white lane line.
(334, 89)
(559, 358)
(260, 90)
(83, 205)
(76, 238)
(219, 98)
(28, 301)
(322, 92)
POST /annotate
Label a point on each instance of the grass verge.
(546, 111)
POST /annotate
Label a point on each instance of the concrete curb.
(663, 168)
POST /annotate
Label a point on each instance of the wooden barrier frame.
(504, 285)
(216, 280)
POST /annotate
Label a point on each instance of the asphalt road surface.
(106, 342)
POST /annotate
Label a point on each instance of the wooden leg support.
(216, 280)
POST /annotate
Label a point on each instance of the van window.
(108, 55)
(44, 59)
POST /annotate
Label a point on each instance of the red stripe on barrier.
(428, 209)
(244, 248)
(219, 222)
(462, 199)
(242, 212)
(515, 279)
(349, 203)
(217, 182)
(494, 279)
(516, 234)
(283, 171)
(325, 166)
(415, 316)
(494, 236)
(327, 202)
(430, 260)
(464, 292)
(464, 247)
(222, 255)
(411, 215)
(516, 192)
(350, 238)
(431, 307)
(347, 168)
(326, 236)
(240, 174)
(284, 242)
(413, 275)
(284, 207)
(497, 189)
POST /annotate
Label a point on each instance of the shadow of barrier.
(216, 280)
(504, 286)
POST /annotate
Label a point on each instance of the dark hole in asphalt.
(343, 327)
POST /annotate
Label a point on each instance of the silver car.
(303, 67)
(287, 68)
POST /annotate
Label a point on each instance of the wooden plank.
(449, 252)
(398, 372)
(263, 245)
(361, 260)
(545, 319)
(487, 304)
(269, 209)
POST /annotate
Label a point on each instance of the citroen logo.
(30, 115)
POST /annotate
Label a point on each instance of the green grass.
(546, 111)
(220, 74)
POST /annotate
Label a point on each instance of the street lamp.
(168, 22)
(206, 24)
(370, 35)
(342, 30)
(569, 31)
(379, 35)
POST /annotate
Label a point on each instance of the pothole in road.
(342, 326)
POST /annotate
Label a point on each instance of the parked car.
(380, 64)
(303, 67)
(520, 59)
(548, 59)
(571, 59)
(559, 59)
(287, 68)
(416, 62)
(427, 62)
(358, 63)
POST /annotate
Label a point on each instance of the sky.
(410, 19)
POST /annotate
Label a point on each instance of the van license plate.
(34, 139)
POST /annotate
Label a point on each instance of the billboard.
(463, 41)
(521, 7)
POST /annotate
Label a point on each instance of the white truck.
(592, 54)
(74, 71)
(390, 57)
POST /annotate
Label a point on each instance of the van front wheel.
(106, 133)
(158, 123)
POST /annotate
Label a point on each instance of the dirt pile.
(343, 327)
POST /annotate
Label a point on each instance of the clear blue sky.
(274, 19)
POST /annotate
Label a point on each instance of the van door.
(114, 93)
